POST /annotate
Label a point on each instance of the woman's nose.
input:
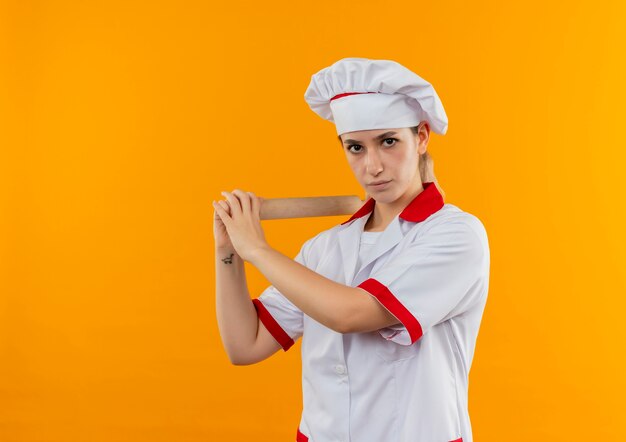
(374, 165)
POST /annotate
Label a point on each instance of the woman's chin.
(384, 197)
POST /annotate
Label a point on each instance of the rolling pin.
(304, 207)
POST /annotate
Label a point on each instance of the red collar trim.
(427, 202)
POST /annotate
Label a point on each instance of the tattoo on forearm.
(228, 260)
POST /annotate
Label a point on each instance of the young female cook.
(389, 302)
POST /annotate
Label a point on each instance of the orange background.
(121, 121)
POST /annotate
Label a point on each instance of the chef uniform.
(430, 268)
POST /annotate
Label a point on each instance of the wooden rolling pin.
(304, 207)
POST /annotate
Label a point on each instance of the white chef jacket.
(407, 382)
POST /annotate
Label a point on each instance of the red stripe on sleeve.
(301, 437)
(391, 303)
(272, 326)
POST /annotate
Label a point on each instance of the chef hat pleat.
(363, 94)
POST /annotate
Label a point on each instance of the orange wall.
(120, 122)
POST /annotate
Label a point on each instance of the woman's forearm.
(237, 318)
(328, 302)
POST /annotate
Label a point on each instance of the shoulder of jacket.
(320, 239)
(451, 216)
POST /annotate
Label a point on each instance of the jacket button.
(340, 369)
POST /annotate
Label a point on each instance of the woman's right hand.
(220, 234)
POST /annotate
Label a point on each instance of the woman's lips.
(380, 186)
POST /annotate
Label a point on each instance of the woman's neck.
(383, 214)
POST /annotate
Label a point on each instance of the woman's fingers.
(225, 206)
(239, 202)
(233, 201)
(256, 205)
(222, 212)
(244, 200)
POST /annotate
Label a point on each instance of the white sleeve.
(440, 275)
(279, 315)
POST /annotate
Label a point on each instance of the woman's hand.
(242, 222)
(220, 234)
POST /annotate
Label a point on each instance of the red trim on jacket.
(391, 303)
(460, 439)
(301, 437)
(272, 326)
(427, 202)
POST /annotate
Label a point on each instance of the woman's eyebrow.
(381, 136)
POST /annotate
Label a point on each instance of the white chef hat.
(363, 94)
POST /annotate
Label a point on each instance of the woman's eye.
(358, 145)
(393, 139)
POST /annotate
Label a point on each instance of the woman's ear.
(423, 136)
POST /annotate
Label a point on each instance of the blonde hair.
(426, 166)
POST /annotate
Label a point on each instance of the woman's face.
(386, 155)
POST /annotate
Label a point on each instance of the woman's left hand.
(244, 222)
